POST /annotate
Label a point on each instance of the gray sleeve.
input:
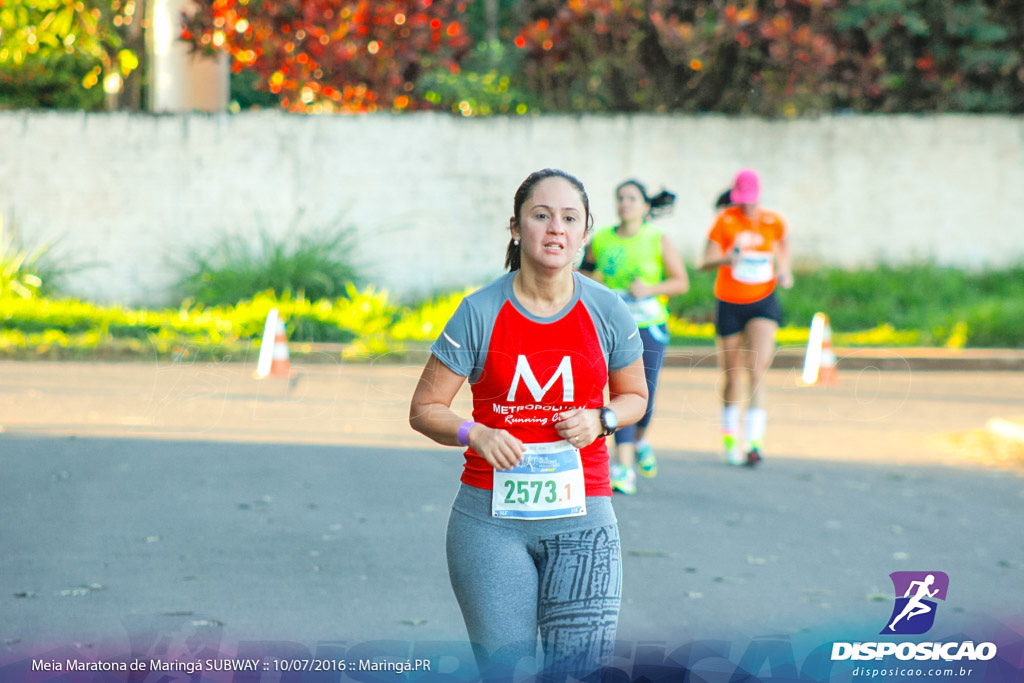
(459, 346)
(466, 337)
(625, 345)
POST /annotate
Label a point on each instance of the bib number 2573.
(547, 484)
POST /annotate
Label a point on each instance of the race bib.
(547, 484)
(643, 310)
(754, 267)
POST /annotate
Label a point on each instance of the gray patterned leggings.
(561, 579)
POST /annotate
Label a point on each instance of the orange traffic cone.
(274, 360)
(820, 360)
(827, 373)
(281, 360)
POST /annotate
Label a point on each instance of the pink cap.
(746, 188)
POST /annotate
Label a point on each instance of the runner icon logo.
(916, 593)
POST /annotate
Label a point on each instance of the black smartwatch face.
(609, 420)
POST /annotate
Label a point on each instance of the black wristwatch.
(609, 421)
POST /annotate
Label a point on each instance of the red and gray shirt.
(524, 370)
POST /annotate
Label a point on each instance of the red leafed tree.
(333, 55)
(774, 57)
(744, 56)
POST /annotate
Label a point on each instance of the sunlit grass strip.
(45, 328)
(683, 331)
(425, 322)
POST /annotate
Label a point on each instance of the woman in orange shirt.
(748, 246)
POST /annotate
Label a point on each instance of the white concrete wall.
(431, 194)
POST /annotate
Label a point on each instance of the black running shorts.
(732, 318)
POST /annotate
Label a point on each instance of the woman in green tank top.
(639, 261)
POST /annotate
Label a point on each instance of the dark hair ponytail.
(661, 204)
(513, 253)
(724, 200)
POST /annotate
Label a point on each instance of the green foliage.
(909, 297)
(425, 322)
(57, 54)
(71, 329)
(698, 304)
(775, 57)
(246, 92)
(484, 84)
(21, 274)
(945, 306)
(927, 306)
(921, 56)
(771, 58)
(51, 86)
(993, 322)
(318, 265)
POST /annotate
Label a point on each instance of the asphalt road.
(180, 509)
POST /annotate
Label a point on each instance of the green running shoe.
(733, 454)
(646, 462)
(623, 479)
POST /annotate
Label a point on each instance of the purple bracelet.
(464, 431)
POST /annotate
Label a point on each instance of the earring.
(515, 241)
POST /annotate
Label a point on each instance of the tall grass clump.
(312, 266)
(32, 272)
(20, 268)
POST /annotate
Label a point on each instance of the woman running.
(638, 261)
(532, 542)
(748, 246)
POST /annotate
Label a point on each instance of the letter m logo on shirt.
(525, 373)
